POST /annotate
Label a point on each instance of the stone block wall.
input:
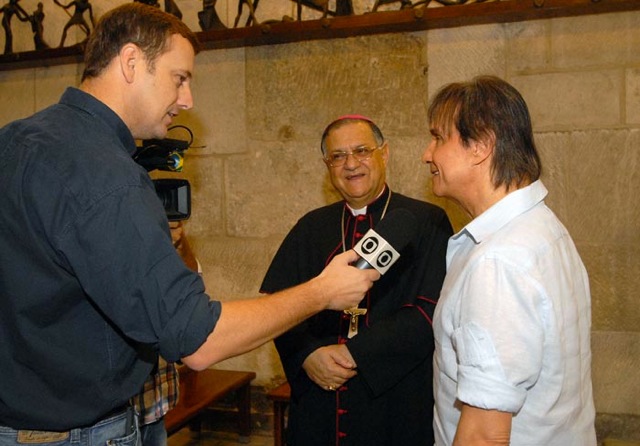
(255, 166)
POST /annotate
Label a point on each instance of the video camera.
(168, 155)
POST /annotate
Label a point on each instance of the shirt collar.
(77, 98)
(505, 210)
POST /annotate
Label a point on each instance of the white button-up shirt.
(512, 326)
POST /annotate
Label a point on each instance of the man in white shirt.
(512, 362)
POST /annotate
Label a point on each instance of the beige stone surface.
(622, 428)
(50, 83)
(616, 371)
(595, 40)
(233, 269)
(17, 94)
(460, 53)
(405, 171)
(593, 178)
(614, 285)
(593, 181)
(603, 179)
(621, 443)
(575, 99)
(219, 116)
(528, 46)
(552, 147)
(632, 96)
(270, 189)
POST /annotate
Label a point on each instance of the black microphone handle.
(362, 264)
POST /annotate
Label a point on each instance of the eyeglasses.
(361, 153)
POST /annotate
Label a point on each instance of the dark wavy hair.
(145, 26)
(487, 108)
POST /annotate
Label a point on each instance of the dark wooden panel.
(199, 390)
(415, 19)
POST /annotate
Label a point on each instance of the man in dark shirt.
(92, 287)
(368, 384)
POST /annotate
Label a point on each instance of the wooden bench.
(280, 396)
(199, 390)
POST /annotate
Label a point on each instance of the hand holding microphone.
(340, 285)
(377, 251)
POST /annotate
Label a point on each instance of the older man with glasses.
(367, 383)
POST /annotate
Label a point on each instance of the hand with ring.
(330, 366)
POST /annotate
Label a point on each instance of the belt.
(36, 436)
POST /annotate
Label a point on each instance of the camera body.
(167, 154)
(175, 194)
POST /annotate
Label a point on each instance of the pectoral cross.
(354, 312)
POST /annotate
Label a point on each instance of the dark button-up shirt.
(91, 288)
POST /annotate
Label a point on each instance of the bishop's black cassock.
(390, 401)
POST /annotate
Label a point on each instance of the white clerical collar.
(356, 212)
(363, 211)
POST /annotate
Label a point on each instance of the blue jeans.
(107, 432)
(154, 434)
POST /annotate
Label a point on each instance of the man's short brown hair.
(145, 26)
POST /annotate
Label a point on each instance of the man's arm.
(57, 2)
(247, 324)
(22, 15)
(93, 21)
(481, 427)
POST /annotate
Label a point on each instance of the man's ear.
(385, 152)
(483, 149)
(130, 58)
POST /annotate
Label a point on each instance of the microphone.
(380, 248)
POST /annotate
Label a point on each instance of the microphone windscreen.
(398, 227)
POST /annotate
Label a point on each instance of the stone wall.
(260, 111)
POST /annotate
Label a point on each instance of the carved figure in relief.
(77, 19)
(343, 7)
(36, 20)
(8, 11)
(208, 17)
(252, 12)
(404, 4)
(170, 6)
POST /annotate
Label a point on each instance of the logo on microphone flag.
(376, 251)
